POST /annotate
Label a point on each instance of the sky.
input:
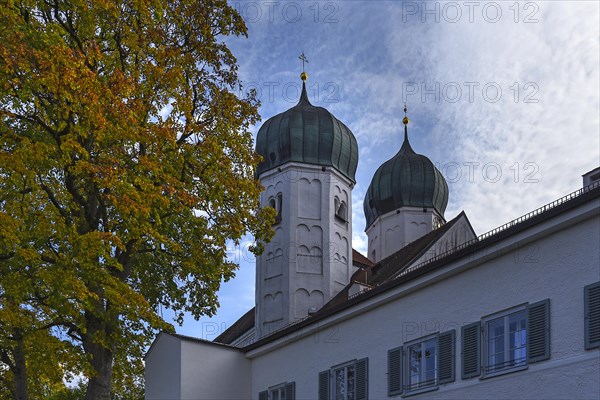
(502, 96)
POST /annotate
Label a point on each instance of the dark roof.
(509, 229)
(359, 260)
(307, 134)
(239, 327)
(406, 180)
(392, 265)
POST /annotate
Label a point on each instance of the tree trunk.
(20, 368)
(100, 383)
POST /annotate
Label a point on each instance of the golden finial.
(405, 119)
(303, 75)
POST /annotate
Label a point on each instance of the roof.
(509, 229)
(390, 266)
(187, 339)
(239, 327)
(246, 321)
(406, 180)
(307, 134)
(359, 260)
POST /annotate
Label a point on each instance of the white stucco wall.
(553, 260)
(187, 369)
(163, 369)
(394, 230)
(309, 259)
(211, 371)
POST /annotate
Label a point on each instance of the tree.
(126, 165)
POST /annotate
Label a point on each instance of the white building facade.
(436, 313)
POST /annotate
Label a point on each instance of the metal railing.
(501, 228)
(479, 238)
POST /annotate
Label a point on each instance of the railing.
(479, 238)
(502, 228)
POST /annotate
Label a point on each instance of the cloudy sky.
(503, 97)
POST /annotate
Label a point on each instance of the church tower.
(406, 199)
(308, 172)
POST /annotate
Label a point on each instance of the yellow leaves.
(110, 209)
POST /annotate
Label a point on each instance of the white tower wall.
(309, 259)
(394, 230)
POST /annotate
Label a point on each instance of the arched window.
(341, 211)
(279, 207)
(275, 203)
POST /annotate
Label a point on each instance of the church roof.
(389, 267)
(406, 180)
(239, 327)
(307, 134)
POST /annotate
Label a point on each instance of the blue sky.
(503, 97)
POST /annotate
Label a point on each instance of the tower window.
(277, 204)
(279, 207)
(341, 210)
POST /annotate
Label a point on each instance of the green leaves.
(126, 165)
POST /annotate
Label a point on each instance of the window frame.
(407, 390)
(277, 388)
(280, 388)
(332, 372)
(327, 386)
(485, 351)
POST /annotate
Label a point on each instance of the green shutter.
(290, 391)
(592, 315)
(471, 350)
(446, 356)
(264, 395)
(395, 371)
(362, 379)
(538, 335)
(324, 385)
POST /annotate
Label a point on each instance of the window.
(279, 207)
(340, 209)
(277, 204)
(422, 365)
(508, 341)
(592, 315)
(344, 382)
(348, 381)
(283, 391)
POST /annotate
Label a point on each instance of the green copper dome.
(307, 134)
(406, 180)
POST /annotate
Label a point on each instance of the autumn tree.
(126, 165)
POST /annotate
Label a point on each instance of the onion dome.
(406, 180)
(309, 135)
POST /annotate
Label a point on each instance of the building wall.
(163, 369)
(394, 230)
(309, 260)
(527, 267)
(211, 371)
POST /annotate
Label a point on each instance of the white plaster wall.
(163, 369)
(213, 372)
(557, 266)
(309, 260)
(394, 230)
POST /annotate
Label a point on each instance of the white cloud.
(376, 48)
